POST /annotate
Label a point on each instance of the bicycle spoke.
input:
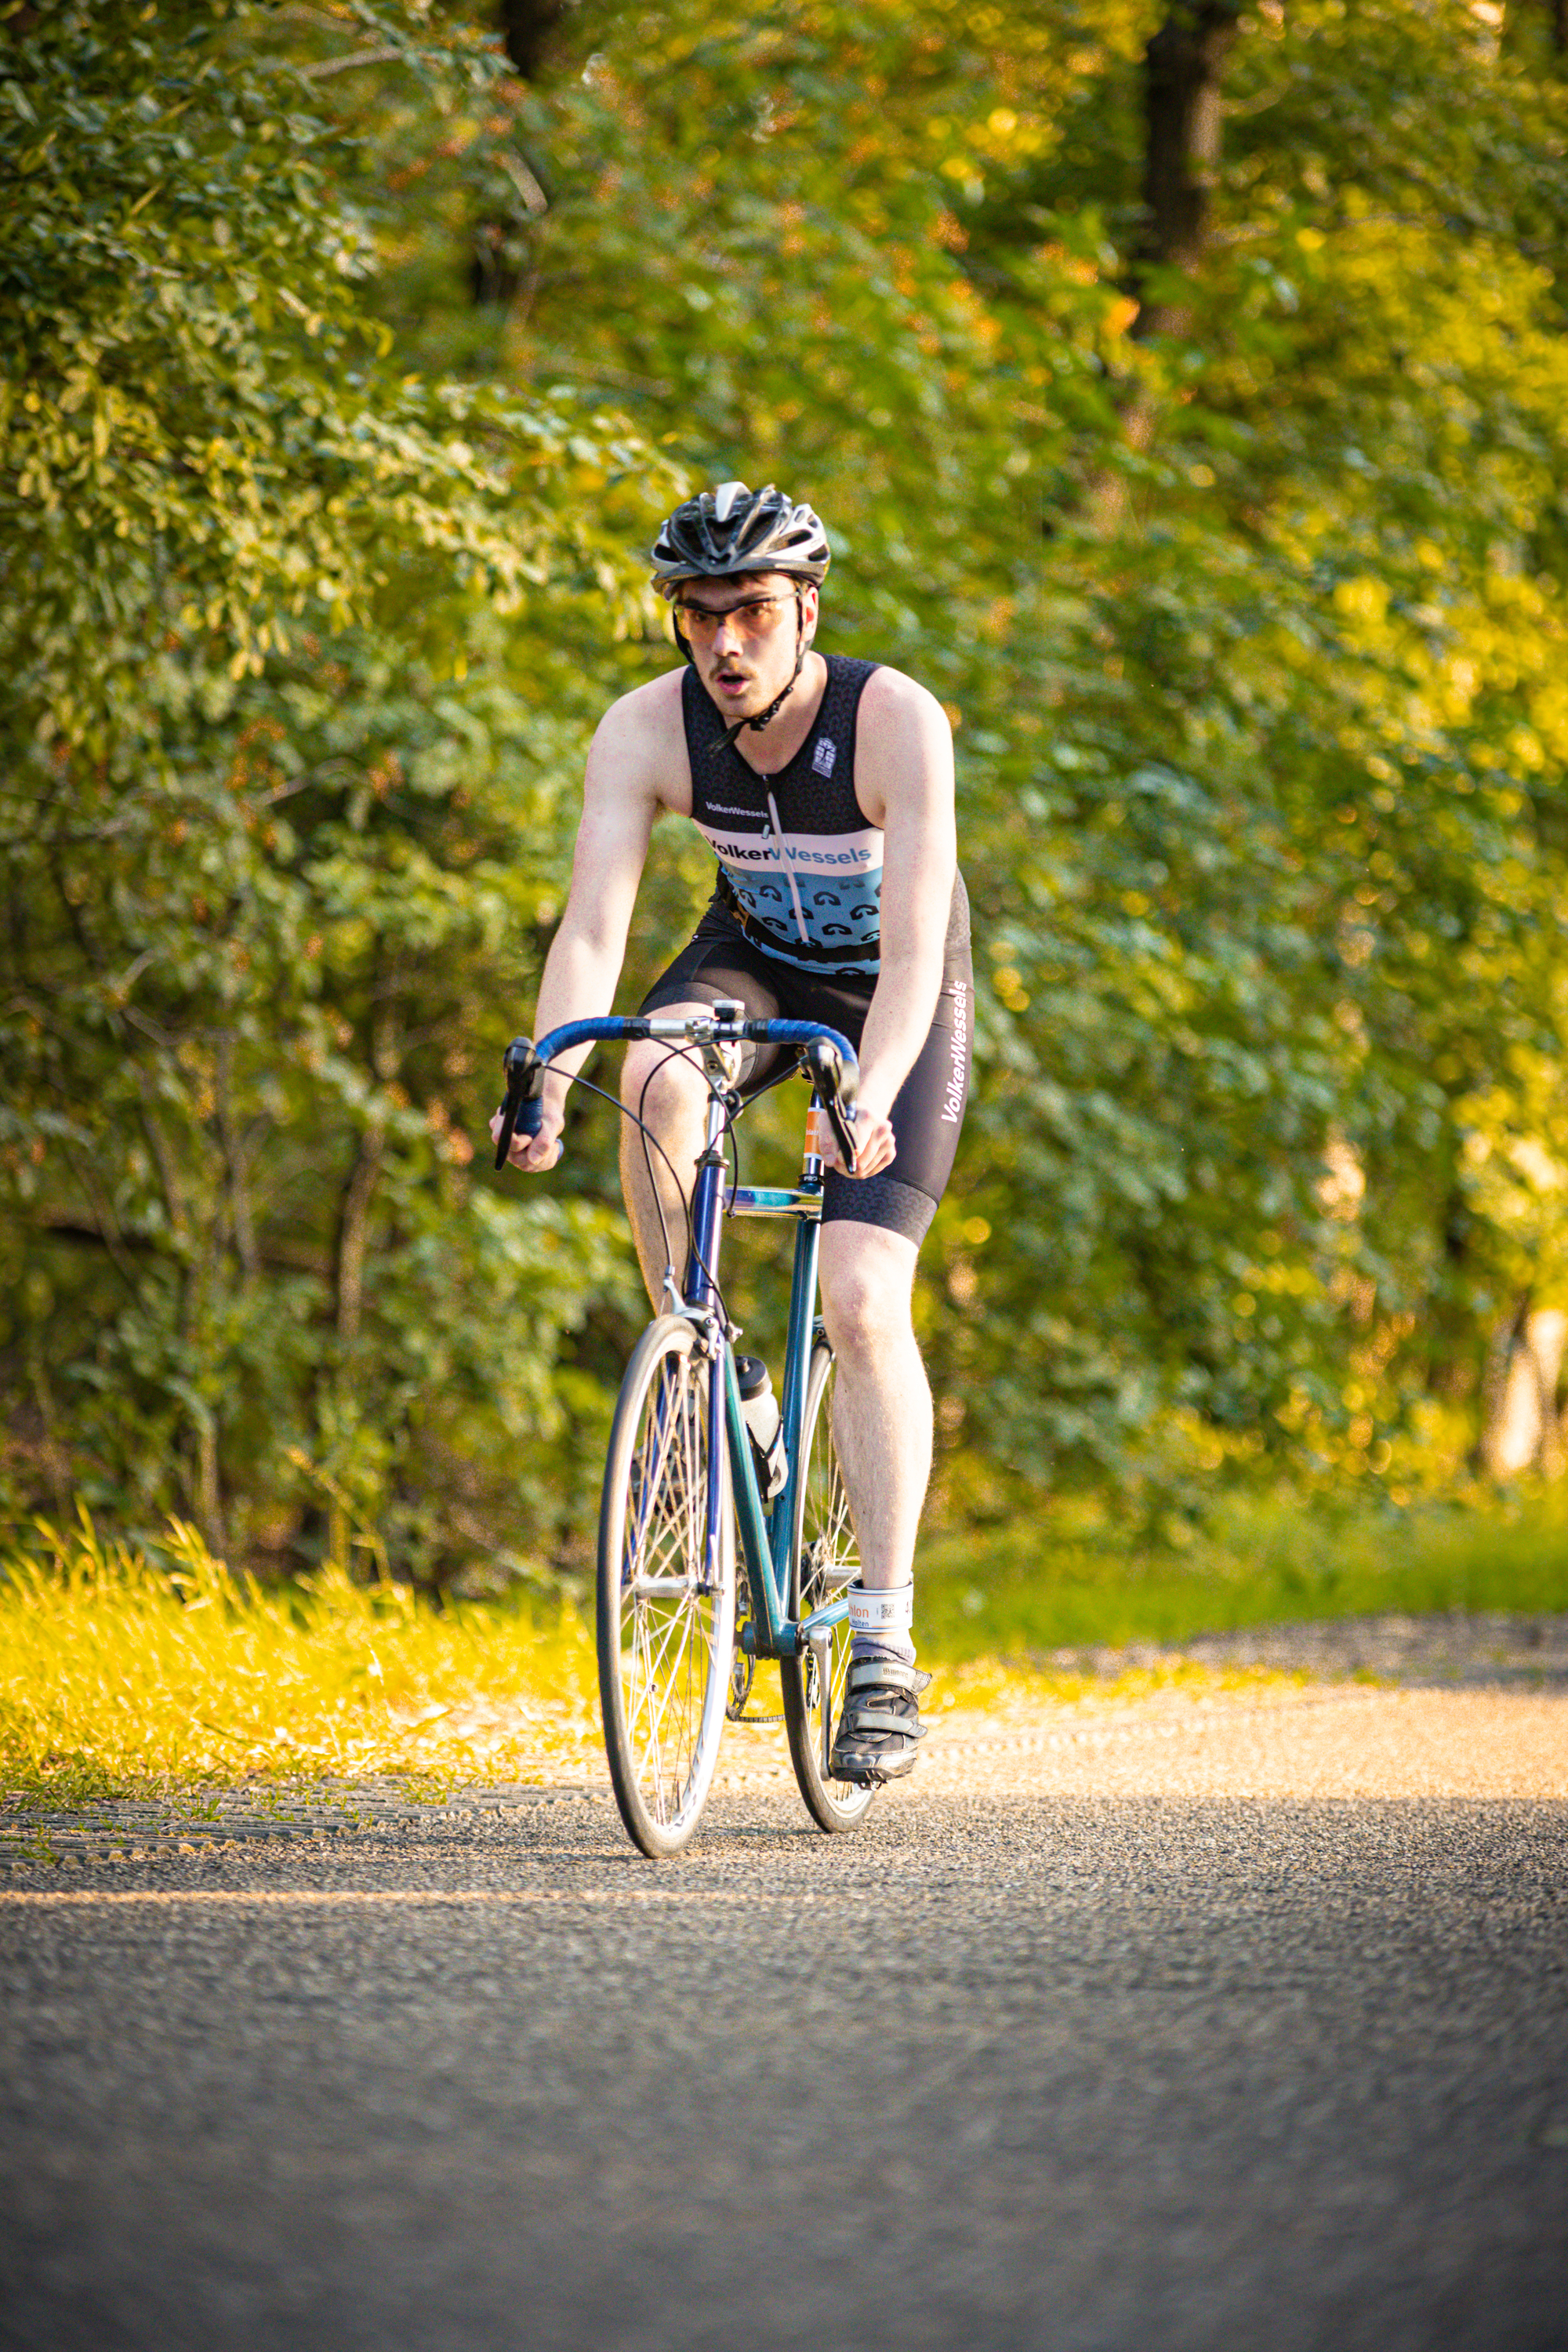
(648, 1744)
(646, 1724)
(829, 1559)
(666, 1689)
(651, 1682)
(666, 1482)
(660, 1432)
(661, 1647)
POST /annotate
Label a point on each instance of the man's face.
(742, 636)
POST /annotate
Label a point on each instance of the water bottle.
(760, 1411)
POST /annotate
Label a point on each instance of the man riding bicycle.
(825, 788)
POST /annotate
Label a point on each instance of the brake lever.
(524, 1086)
(840, 1119)
(838, 1085)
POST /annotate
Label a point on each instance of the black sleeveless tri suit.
(794, 929)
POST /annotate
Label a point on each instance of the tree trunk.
(1182, 69)
(526, 26)
(1182, 65)
(1520, 1427)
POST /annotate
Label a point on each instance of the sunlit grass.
(120, 1673)
(126, 1671)
(999, 1683)
(1029, 1590)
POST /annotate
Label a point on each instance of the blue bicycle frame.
(767, 1531)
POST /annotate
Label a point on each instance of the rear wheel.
(665, 1608)
(827, 1559)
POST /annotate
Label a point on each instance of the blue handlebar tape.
(801, 1033)
(612, 1028)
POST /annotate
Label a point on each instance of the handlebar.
(825, 1053)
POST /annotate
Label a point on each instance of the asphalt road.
(1075, 2046)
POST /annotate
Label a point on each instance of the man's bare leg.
(881, 1408)
(674, 1106)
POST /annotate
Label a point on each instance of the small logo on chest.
(823, 758)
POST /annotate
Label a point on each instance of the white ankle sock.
(882, 1645)
(881, 1619)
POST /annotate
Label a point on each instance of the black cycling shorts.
(928, 1115)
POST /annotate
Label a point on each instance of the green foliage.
(1256, 638)
(1261, 750)
(291, 754)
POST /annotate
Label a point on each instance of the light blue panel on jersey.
(808, 890)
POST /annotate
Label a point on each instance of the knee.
(866, 1311)
(661, 1085)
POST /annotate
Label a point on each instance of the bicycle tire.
(826, 1559)
(664, 1656)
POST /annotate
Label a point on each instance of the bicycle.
(672, 1660)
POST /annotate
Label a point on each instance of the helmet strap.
(765, 718)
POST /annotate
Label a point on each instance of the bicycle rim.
(665, 1615)
(828, 1558)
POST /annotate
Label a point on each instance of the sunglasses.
(752, 618)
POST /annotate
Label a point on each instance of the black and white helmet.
(733, 530)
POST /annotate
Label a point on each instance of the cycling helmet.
(733, 530)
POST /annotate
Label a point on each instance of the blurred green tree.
(1186, 391)
(292, 639)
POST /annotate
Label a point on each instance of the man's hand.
(534, 1152)
(874, 1146)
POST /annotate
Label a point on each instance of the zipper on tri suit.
(789, 869)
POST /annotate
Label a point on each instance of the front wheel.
(826, 1560)
(665, 1603)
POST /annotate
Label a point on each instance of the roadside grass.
(1030, 1591)
(124, 1673)
(129, 1671)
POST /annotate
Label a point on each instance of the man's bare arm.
(621, 798)
(904, 781)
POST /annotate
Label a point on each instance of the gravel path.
(1223, 2017)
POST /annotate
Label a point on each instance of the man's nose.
(727, 637)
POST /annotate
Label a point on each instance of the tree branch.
(237, 1161)
(327, 66)
(352, 1226)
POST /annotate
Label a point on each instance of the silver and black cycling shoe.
(880, 1731)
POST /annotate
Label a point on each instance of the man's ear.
(810, 610)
